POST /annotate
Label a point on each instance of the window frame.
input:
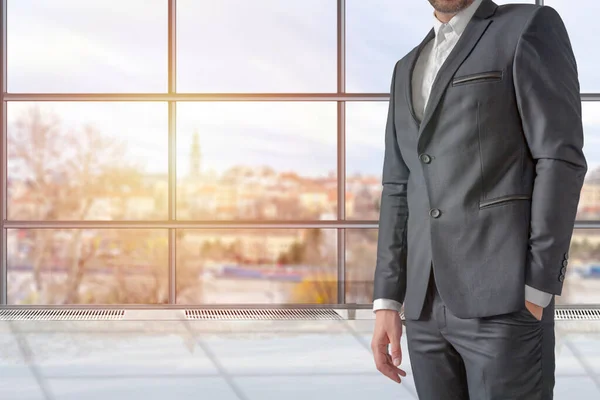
(172, 97)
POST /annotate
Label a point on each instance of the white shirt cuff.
(537, 297)
(387, 304)
(532, 295)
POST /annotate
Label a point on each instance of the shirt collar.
(458, 22)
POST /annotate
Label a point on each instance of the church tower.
(195, 156)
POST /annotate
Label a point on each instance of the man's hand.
(535, 310)
(388, 330)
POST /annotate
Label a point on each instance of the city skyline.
(143, 128)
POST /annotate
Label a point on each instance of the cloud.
(291, 46)
(86, 46)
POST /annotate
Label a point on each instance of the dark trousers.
(508, 357)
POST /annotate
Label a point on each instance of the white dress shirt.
(430, 60)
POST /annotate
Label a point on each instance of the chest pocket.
(488, 76)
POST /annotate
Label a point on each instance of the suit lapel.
(408, 77)
(469, 38)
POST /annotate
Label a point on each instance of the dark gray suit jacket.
(486, 186)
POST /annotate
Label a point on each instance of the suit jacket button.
(565, 263)
(425, 158)
(563, 270)
(561, 278)
(566, 256)
(435, 213)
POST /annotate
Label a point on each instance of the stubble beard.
(450, 6)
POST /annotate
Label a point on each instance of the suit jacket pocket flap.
(503, 199)
(478, 77)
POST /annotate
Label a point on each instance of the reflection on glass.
(361, 254)
(256, 266)
(580, 18)
(74, 266)
(87, 46)
(261, 160)
(381, 32)
(365, 131)
(256, 46)
(582, 281)
(87, 161)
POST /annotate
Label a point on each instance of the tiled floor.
(223, 360)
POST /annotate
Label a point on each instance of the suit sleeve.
(390, 269)
(547, 92)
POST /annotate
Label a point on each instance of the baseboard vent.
(49, 314)
(60, 315)
(253, 314)
(577, 314)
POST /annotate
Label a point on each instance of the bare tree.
(64, 172)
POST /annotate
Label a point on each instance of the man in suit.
(482, 174)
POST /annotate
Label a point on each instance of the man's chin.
(450, 6)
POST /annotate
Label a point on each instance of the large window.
(217, 152)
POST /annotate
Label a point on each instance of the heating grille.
(59, 315)
(577, 314)
(252, 314)
(49, 314)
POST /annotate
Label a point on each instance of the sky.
(240, 46)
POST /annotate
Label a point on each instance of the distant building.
(253, 245)
(314, 200)
(589, 201)
(591, 236)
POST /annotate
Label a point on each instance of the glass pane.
(589, 202)
(580, 19)
(379, 33)
(581, 285)
(257, 266)
(87, 161)
(74, 266)
(256, 160)
(256, 46)
(87, 46)
(361, 255)
(365, 131)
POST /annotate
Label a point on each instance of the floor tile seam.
(27, 354)
(220, 368)
(593, 375)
